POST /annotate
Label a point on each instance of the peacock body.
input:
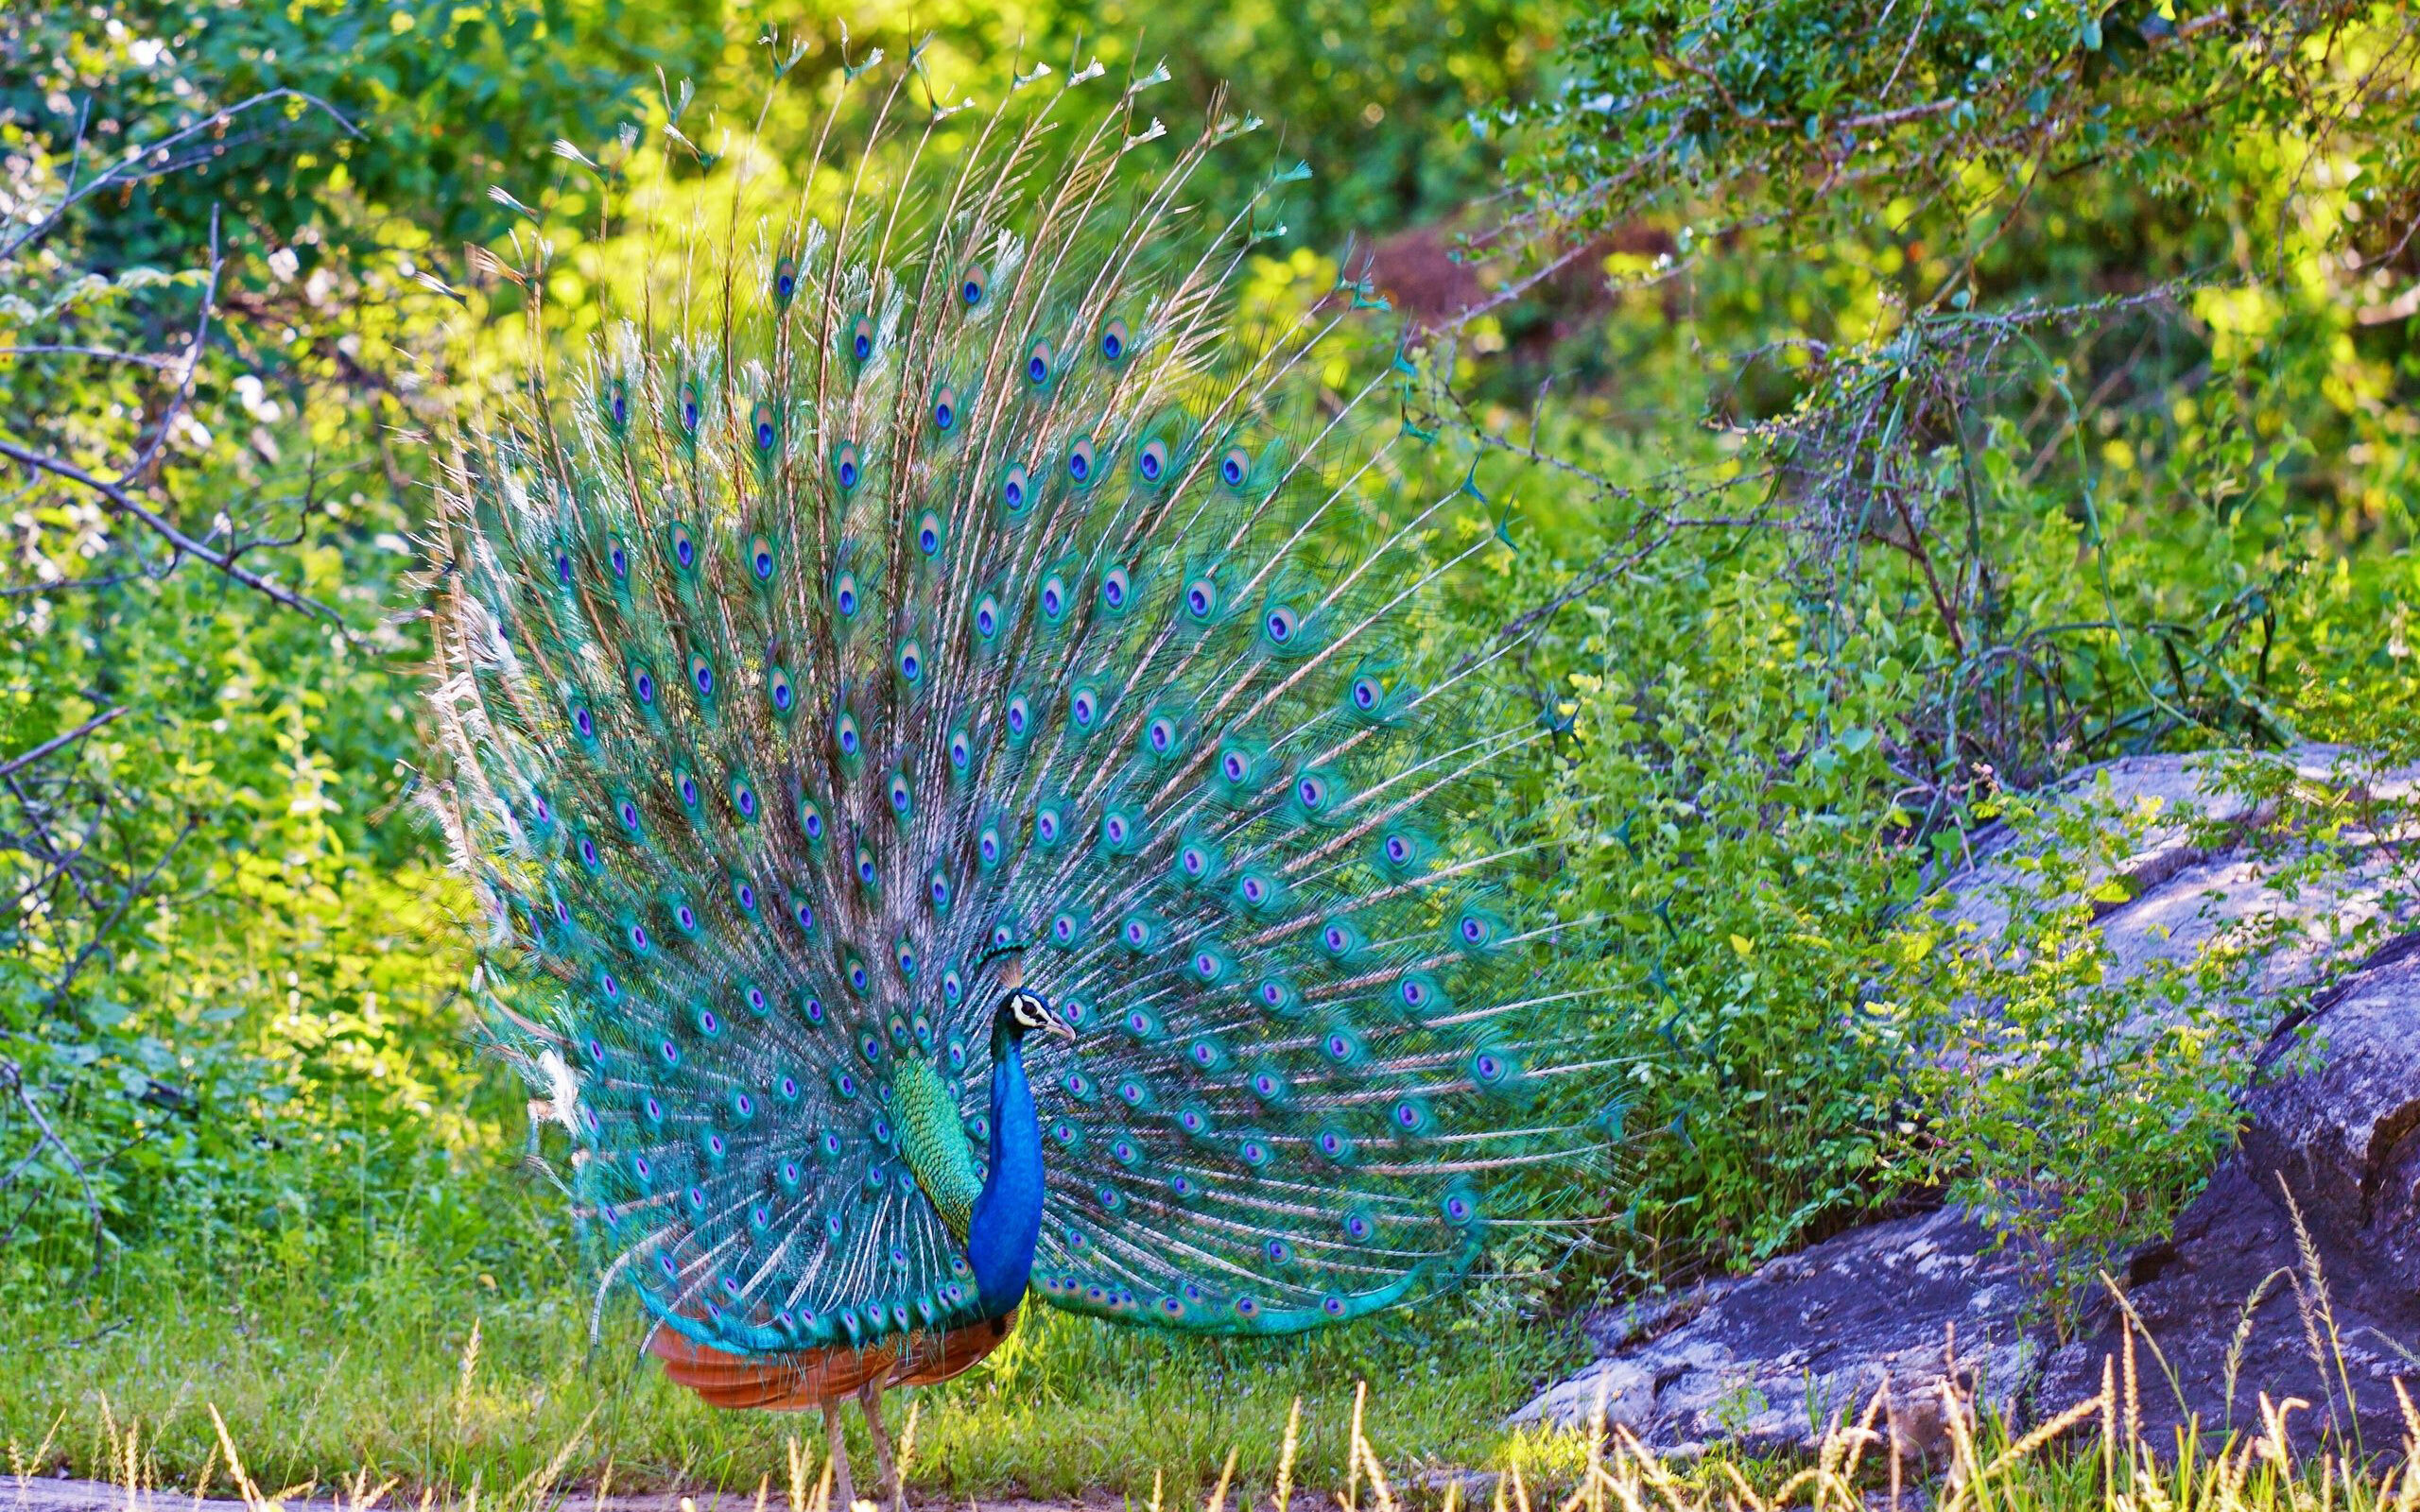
(928, 703)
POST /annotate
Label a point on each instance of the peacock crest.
(935, 582)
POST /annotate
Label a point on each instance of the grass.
(397, 1376)
(461, 1376)
(2087, 1459)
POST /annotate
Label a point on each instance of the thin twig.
(18, 763)
(115, 494)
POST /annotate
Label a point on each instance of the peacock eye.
(944, 409)
(1015, 487)
(861, 338)
(1080, 460)
(845, 469)
(1037, 363)
(928, 533)
(1112, 341)
(1153, 460)
(973, 285)
(1234, 466)
(761, 422)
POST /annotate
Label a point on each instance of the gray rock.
(2338, 1122)
(1774, 1360)
(2232, 1302)
(2230, 1311)
(2209, 866)
(2297, 1271)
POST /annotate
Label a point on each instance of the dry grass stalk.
(462, 1387)
(1218, 1502)
(1283, 1499)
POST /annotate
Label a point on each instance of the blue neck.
(1008, 1212)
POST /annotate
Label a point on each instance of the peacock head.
(1022, 1011)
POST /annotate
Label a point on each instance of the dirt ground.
(44, 1494)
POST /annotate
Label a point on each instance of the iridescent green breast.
(934, 1141)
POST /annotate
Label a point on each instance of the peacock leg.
(844, 1491)
(870, 1398)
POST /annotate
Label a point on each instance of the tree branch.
(118, 499)
(16, 764)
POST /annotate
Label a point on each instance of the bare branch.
(16, 764)
(132, 167)
(117, 498)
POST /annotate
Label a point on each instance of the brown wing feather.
(809, 1379)
(785, 1383)
(933, 1358)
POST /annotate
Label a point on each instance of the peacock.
(938, 702)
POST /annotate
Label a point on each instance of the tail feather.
(941, 558)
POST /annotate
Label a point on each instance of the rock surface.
(2240, 1302)
(2223, 1303)
(2333, 1117)
(1774, 1361)
(2203, 865)
(2339, 1120)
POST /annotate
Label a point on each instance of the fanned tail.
(943, 560)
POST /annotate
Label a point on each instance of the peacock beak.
(1061, 1029)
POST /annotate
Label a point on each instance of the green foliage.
(2077, 1105)
(1811, 121)
(2050, 403)
(228, 976)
